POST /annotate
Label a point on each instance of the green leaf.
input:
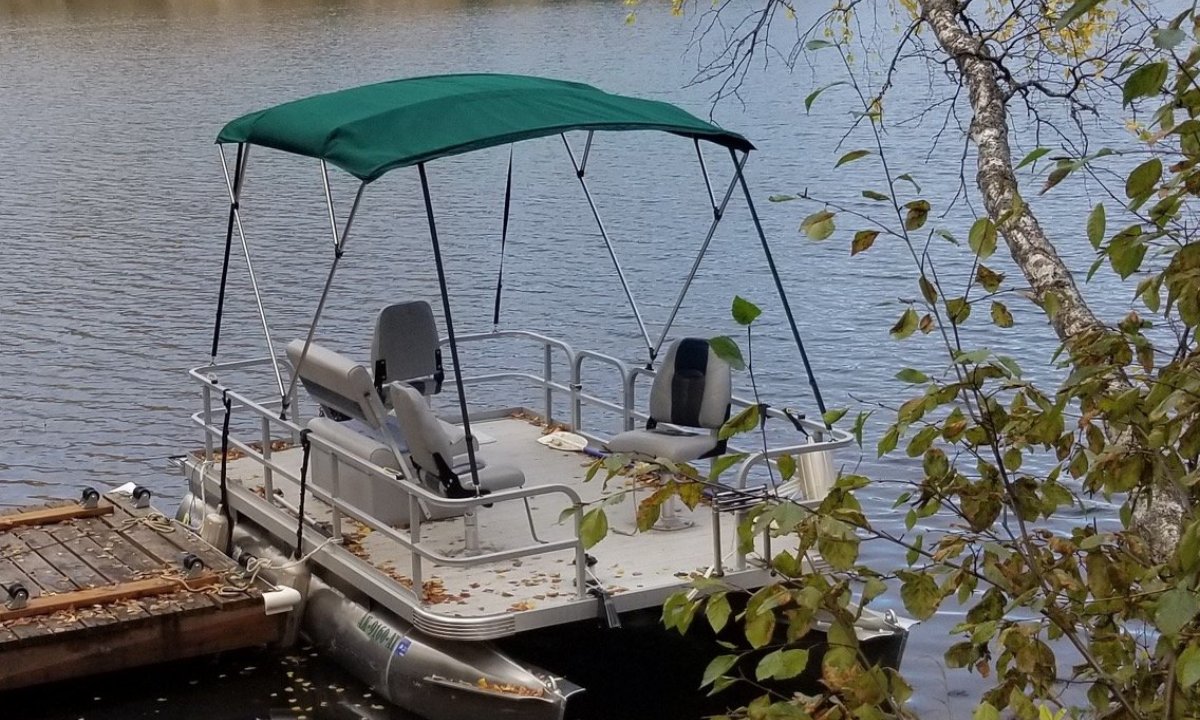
(1167, 38)
(918, 212)
(912, 376)
(1096, 225)
(1032, 157)
(988, 278)
(728, 350)
(832, 416)
(819, 225)
(743, 422)
(906, 325)
(717, 611)
(744, 311)
(1000, 315)
(722, 463)
(594, 527)
(851, 157)
(760, 628)
(873, 588)
(717, 667)
(920, 594)
(817, 44)
(887, 443)
(863, 240)
(909, 179)
(837, 543)
(877, 196)
(1144, 177)
(982, 238)
(928, 291)
(787, 467)
(1144, 82)
(959, 310)
(1074, 12)
(782, 198)
(812, 96)
(986, 711)
(1187, 666)
(1175, 609)
(860, 423)
(1126, 251)
(781, 665)
(1057, 175)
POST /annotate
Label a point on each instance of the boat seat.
(405, 348)
(693, 389)
(432, 454)
(344, 389)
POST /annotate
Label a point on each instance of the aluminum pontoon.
(442, 556)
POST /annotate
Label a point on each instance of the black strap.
(503, 238)
(225, 457)
(304, 443)
(233, 209)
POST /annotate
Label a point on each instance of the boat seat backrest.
(693, 386)
(405, 347)
(427, 440)
(337, 382)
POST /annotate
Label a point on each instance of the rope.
(156, 521)
(304, 443)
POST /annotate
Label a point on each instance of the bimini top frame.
(370, 130)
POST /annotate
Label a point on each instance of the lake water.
(112, 217)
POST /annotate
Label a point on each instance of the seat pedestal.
(669, 518)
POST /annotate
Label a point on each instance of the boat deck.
(638, 569)
(107, 591)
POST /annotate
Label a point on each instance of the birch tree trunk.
(1158, 521)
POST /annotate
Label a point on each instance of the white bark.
(1159, 520)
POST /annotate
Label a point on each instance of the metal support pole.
(458, 377)
(262, 313)
(238, 175)
(787, 308)
(704, 171)
(718, 213)
(579, 172)
(339, 247)
(587, 150)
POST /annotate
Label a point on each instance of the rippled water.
(112, 215)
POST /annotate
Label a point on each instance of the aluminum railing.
(417, 495)
(820, 439)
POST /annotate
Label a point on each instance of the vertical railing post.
(208, 440)
(336, 484)
(547, 375)
(268, 473)
(414, 532)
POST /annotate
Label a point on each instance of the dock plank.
(51, 514)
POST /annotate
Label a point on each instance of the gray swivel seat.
(405, 347)
(440, 471)
(691, 389)
(432, 454)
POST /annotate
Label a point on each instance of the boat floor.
(639, 569)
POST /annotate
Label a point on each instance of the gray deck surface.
(639, 568)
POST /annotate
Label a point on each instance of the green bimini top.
(372, 129)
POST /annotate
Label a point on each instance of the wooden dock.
(107, 590)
